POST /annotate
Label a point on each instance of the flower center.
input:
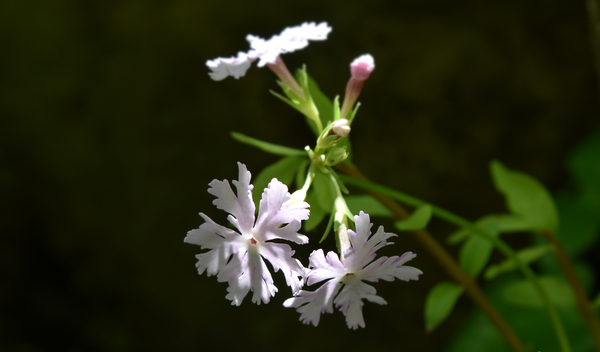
(350, 278)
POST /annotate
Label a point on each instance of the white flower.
(237, 257)
(267, 51)
(290, 40)
(359, 267)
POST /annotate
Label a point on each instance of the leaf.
(266, 146)
(522, 293)
(324, 189)
(475, 252)
(368, 204)
(284, 170)
(440, 302)
(503, 223)
(321, 101)
(525, 197)
(511, 223)
(458, 236)
(417, 221)
(317, 214)
(526, 256)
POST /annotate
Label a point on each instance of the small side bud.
(326, 141)
(336, 156)
(341, 128)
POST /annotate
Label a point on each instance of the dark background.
(111, 130)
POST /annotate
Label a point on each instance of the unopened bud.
(341, 128)
(336, 156)
(362, 67)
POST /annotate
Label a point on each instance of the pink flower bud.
(362, 67)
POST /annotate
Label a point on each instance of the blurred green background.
(111, 130)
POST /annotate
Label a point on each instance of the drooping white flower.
(238, 257)
(267, 51)
(350, 278)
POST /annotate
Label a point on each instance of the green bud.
(326, 141)
(336, 156)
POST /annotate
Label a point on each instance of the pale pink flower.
(238, 257)
(351, 276)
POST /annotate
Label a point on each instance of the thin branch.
(586, 308)
(446, 261)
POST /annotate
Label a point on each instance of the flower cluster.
(238, 257)
(267, 51)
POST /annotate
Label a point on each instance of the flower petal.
(233, 66)
(324, 268)
(389, 268)
(291, 39)
(240, 206)
(350, 302)
(280, 256)
(310, 305)
(222, 241)
(253, 275)
(272, 214)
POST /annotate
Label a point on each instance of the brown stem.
(446, 261)
(586, 308)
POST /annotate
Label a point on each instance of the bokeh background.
(111, 130)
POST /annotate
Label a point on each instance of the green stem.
(501, 245)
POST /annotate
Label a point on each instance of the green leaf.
(511, 223)
(321, 197)
(525, 197)
(417, 221)
(317, 213)
(368, 204)
(266, 146)
(458, 236)
(525, 256)
(440, 302)
(284, 170)
(475, 252)
(321, 101)
(324, 189)
(522, 293)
